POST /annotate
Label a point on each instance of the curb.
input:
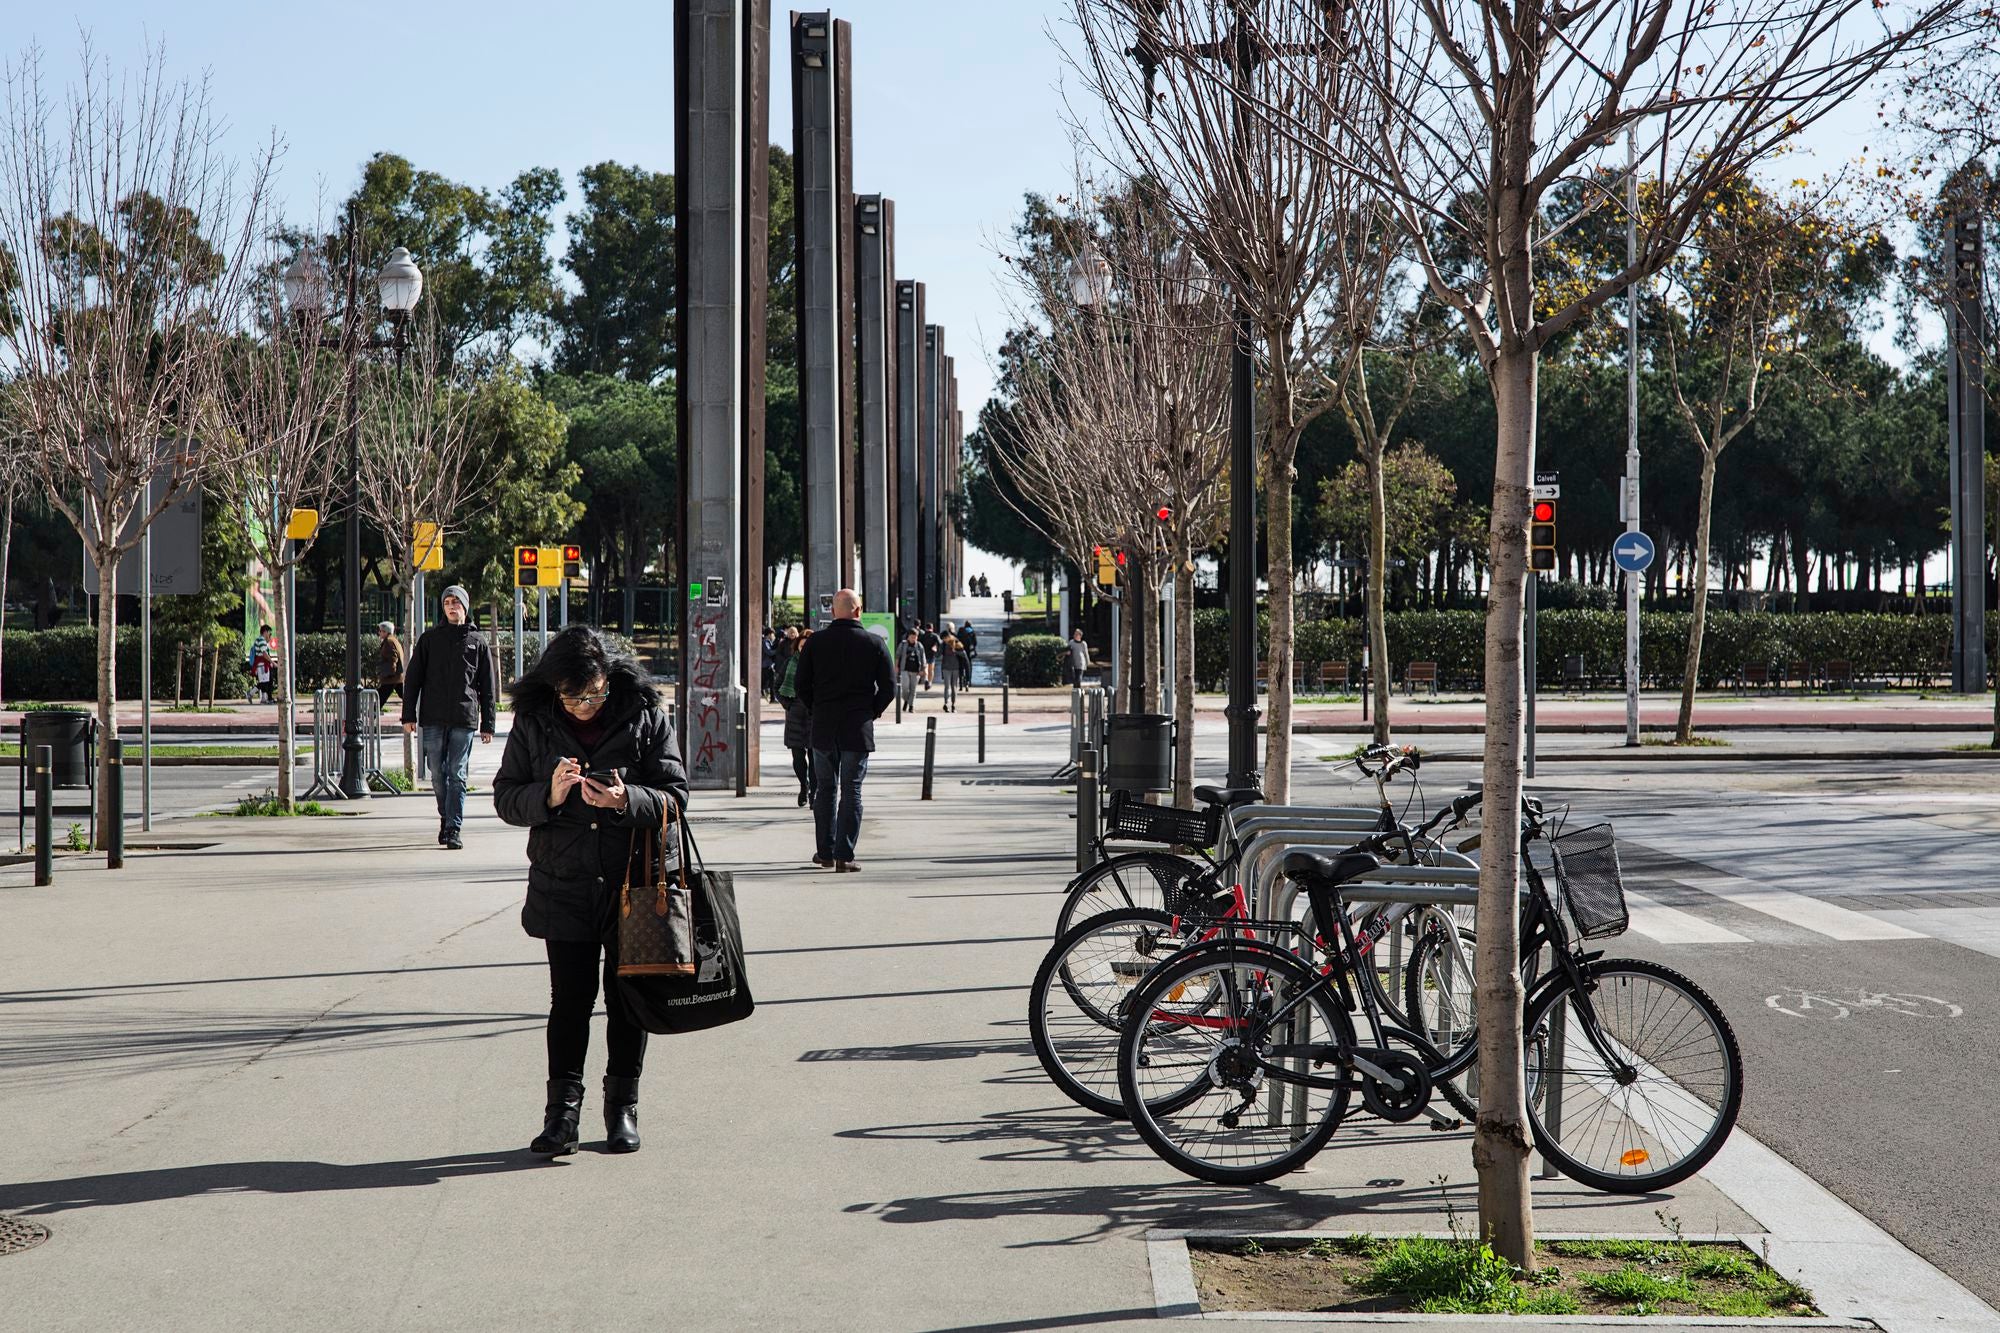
(1703, 754)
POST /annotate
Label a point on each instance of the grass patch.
(12, 749)
(268, 805)
(398, 779)
(1435, 1275)
(1696, 742)
(1975, 747)
(1326, 698)
(77, 839)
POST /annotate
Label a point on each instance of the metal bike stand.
(1552, 1083)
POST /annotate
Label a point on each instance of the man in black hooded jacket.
(448, 690)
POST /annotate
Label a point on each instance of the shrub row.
(1035, 659)
(61, 663)
(1904, 648)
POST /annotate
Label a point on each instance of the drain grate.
(18, 1233)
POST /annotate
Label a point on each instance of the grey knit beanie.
(464, 598)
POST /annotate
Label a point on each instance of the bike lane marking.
(1814, 914)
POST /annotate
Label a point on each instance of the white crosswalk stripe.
(1670, 925)
(1818, 915)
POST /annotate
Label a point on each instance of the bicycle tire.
(1074, 1027)
(1681, 1105)
(1165, 1067)
(1132, 879)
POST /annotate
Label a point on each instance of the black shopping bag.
(717, 989)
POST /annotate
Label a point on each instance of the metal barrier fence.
(1086, 725)
(329, 738)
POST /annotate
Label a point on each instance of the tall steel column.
(721, 137)
(874, 302)
(825, 302)
(1965, 385)
(910, 381)
(927, 472)
(948, 449)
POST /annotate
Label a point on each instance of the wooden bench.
(1837, 674)
(1753, 677)
(1333, 676)
(1420, 673)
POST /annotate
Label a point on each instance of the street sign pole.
(1534, 583)
(146, 679)
(520, 628)
(542, 617)
(1629, 501)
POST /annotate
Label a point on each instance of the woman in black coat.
(592, 764)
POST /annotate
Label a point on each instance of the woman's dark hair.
(574, 658)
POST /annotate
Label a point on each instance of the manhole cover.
(17, 1234)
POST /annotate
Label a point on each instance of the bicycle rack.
(1086, 726)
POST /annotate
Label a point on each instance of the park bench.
(1753, 678)
(1420, 673)
(1837, 674)
(1333, 677)
(1575, 678)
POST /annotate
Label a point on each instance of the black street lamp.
(399, 284)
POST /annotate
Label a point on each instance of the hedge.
(61, 663)
(1036, 659)
(1904, 648)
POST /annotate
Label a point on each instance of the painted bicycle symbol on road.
(1832, 1006)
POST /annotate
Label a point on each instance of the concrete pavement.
(287, 1078)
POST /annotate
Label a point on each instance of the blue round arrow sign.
(1633, 552)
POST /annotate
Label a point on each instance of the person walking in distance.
(264, 663)
(933, 642)
(388, 661)
(910, 665)
(798, 718)
(1079, 656)
(448, 690)
(844, 678)
(592, 766)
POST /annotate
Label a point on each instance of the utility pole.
(1630, 500)
(1965, 387)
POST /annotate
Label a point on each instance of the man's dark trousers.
(838, 829)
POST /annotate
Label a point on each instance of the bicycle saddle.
(1326, 871)
(1230, 797)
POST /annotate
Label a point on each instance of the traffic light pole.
(1534, 584)
(520, 632)
(1631, 499)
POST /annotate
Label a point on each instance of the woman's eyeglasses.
(584, 700)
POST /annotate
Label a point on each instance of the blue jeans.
(448, 751)
(838, 833)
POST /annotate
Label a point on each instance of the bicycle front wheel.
(1211, 1085)
(1080, 997)
(1646, 1099)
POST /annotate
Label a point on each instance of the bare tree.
(1743, 307)
(1476, 111)
(282, 396)
(419, 461)
(1179, 80)
(131, 235)
(1122, 437)
(14, 480)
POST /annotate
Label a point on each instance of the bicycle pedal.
(1439, 1125)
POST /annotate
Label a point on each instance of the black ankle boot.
(565, 1109)
(621, 1113)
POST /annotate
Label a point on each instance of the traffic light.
(1542, 537)
(527, 566)
(572, 562)
(1107, 568)
(1165, 513)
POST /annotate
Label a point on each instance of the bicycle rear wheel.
(1660, 1106)
(1196, 1082)
(1135, 879)
(1081, 994)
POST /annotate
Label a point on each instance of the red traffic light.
(1545, 511)
(527, 555)
(1121, 559)
(572, 554)
(1164, 513)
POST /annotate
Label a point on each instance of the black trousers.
(573, 976)
(802, 765)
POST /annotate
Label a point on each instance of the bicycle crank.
(1394, 1086)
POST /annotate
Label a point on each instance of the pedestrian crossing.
(1717, 909)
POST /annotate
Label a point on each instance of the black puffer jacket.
(449, 679)
(577, 852)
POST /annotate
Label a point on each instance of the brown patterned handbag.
(655, 916)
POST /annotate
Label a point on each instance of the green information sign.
(881, 624)
(694, 591)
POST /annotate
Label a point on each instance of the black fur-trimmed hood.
(632, 691)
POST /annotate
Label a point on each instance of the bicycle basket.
(1134, 820)
(1586, 865)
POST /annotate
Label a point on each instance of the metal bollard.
(114, 805)
(930, 753)
(742, 741)
(1003, 696)
(45, 844)
(982, 730)
(1086, 809)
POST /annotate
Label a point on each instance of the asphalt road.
(1846, 916)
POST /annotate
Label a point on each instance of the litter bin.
(1138, 752)
(66, 732)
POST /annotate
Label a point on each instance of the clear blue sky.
(956, 112)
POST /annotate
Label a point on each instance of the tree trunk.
(1122, 649)
(1183, 576)
(1500, 1146)
(1281, 651)
(1801, 575)
(413, 631)
(1378, 577)
(6, 546)
(284, 672)
(1684, 730)
(107, 682)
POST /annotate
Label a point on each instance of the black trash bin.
(1138, 752)
(66, 731)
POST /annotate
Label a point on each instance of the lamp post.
(398, 285)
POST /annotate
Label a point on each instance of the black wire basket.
(1133, 820)
(1586, 865)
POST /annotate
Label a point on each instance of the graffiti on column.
(711, 739)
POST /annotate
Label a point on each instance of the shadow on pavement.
(42, 1197)
(1052, 1321)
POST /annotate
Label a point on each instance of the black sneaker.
(443, 833)
(452, 842)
